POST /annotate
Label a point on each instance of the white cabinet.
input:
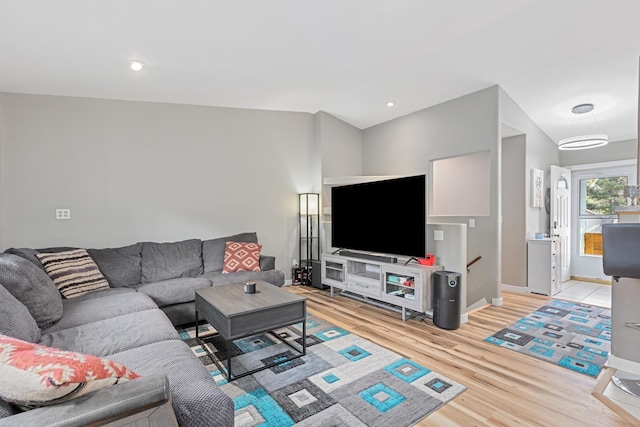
(543, 266)
(399, 287)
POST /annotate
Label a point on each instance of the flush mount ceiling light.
(390, 104)
(136, 65)
(582, 142)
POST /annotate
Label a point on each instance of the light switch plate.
(472, 223)
(438, 235)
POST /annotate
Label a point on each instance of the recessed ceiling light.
(136, 65)
(390, 104)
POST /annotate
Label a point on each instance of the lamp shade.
(583, 142)
(309, 203)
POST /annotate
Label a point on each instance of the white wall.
(407, 145)
(134, 171)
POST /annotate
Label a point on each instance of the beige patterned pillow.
(74, 272)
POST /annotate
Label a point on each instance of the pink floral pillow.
(33, 375)
(240, 256)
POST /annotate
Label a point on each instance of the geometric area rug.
(572, 335)
(344, 380)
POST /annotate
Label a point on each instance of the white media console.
(399, 287)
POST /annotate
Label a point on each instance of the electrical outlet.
(438, 235)
(63, 213)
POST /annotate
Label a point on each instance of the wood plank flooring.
(504, 388)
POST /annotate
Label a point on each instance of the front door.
(561, 216)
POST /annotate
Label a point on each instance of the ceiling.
(345, 57)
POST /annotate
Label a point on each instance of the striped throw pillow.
(74, 272)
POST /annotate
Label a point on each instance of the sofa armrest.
(146, 397)
(267, 262)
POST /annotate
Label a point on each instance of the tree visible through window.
(603, 194)
(598, 197)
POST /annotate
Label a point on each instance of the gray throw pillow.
(120, 266)
(213, 249)
(162, 261)
(26, 253)
(32, 287)
(15, 319)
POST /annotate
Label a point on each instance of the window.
(598, 197)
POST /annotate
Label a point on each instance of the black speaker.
(316, 275)
(446, 290)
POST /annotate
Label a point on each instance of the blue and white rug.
(344, 380)
(572, 335)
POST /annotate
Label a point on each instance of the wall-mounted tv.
(383, 217)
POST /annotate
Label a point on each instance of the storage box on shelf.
(403, 288)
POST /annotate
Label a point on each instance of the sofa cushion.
(196, 399)
(99, 294)
(162, 261)
(79, 311)
(32, 287)
(26, 253)
(213, 249)
(73, 272)
(174, 291)
(239, 256)
(7, 409)
(32, 375)
(15, 319)
(120, 266)
(275, 277)
(124, 332)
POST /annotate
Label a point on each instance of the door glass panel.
(598, 198)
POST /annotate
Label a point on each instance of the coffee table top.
(230, 300)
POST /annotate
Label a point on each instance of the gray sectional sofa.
(151, 290)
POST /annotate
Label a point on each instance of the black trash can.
(446, 289)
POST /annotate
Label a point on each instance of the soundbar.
(379, 258)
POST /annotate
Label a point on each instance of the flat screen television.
(383, 217)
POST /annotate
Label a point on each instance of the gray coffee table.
(235, 315)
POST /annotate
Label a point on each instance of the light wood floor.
(504, 388)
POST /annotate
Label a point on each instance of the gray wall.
(407, 145)
(134, 171)
(340, 155)
(514, 206)
(540, 153)
(618, 150)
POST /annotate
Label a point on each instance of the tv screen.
(386, 217)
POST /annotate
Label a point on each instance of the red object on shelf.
(428, 259)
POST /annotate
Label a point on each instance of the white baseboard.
(515, 289)
(464, 317)
(480, 303)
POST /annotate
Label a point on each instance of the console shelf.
(402, 288)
